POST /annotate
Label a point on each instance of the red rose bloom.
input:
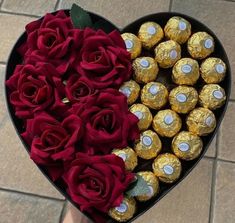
(79, 88)
(51, 40)
(97, 182)
(53, 143)
(36, 88)
(103, 59)
(108, 122)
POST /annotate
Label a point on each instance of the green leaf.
(80, 18)
(140, 188)
(104, 25)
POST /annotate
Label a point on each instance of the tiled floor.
(206, 196)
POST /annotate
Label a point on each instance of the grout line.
(31, 195)
(63, 212)
(57, 5)
(1, 3)
(231, 100)
(170, 5)
(19, 14)
(226, 161)
(3, 63)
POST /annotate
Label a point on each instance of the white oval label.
(186, 68)
(219, 68)
(154, 89)
(173, 54)
(208, 43)
(150, 193)
(129, 44)
(147, 141)
(122, 208)
(126, 91)
(144, 63)
(182, 25)
(181, 97)
(123, 156)
(218, 94)
(209, 121)
(183, 147)
(168, 169)
(138, 114)
(151, 30)
(168, 119)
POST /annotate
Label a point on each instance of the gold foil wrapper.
(212, 96)
(131, 90)
(200, 45)
(149, 145)
(150, 33)
(178, 29)
(185, 71)
(153, 185)
(145, 69)
(167, 168)
(201, 121)
(167, 53)
(125, 211)
(154, 95)
(213, 70)
(186, 145)
(133, 44)
(144, 115)
(167, 123)
(183, 99)
(129, 157)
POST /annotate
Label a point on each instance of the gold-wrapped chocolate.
(212, 96)
(149, 145)
(167, 123)
(201, 121)
(150, 33)
(183, 99)
(213, 70)
(167, 167)
(153, 185)
(167, 53)
(200, 45)
(185, 71)
(154, 95)
(131, 89)
(186, 145)
(178, 29)
(133, 44)
(145, 69)
(144, 115)
(125, 211)
(129, 157)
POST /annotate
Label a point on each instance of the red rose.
(78, 88)
(53, 143)
(36, 88)
(97, 182)
(108, 122)
(103, 59)
(51, 40)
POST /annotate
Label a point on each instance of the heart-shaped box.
(187, 166)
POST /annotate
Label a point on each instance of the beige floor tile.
(226, 140)
(20, 208)
(224, 211)
(212, 148)
(12, 26)
(17, 170)
(189, 200)
(2, 94)
(32, 7)
(120, 12)
(212, 13)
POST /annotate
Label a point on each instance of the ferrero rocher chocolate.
(153, 185)
(129, 157)
(150, 33)
(178, 29)
(185, 71)
(213, 70)
(133, 44)
(145, 69)
(183, 99)
(144, 115)
(167, 168)
(131, 89)
(149, 145)
(201, 121)
(212, 96)
(186, 145)
(167, 123)
(167, 53)
(200, 45)
(154, 95)
(125, 211)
